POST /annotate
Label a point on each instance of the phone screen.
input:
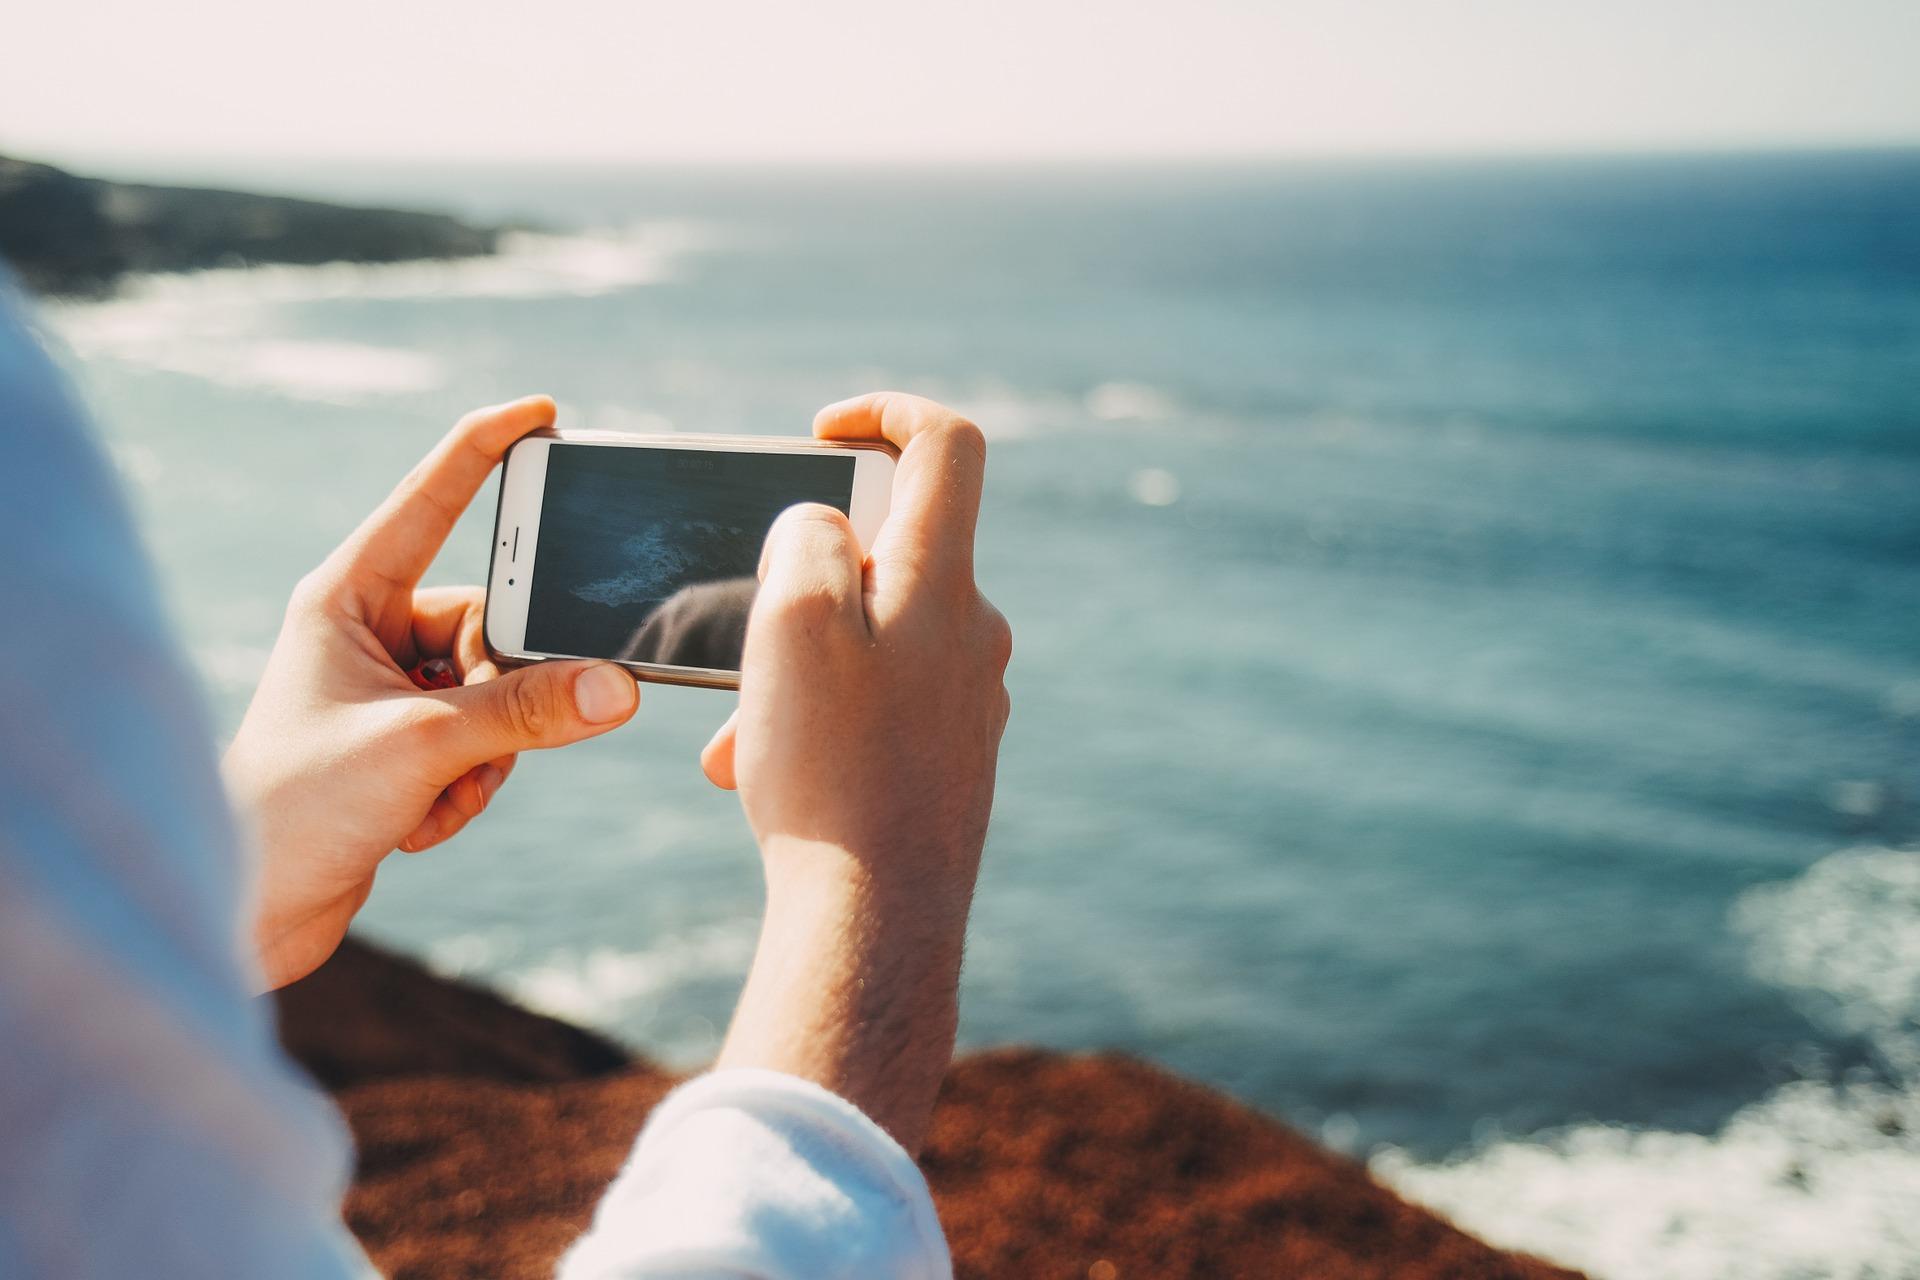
(650, 554)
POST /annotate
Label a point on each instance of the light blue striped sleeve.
(149, 1125)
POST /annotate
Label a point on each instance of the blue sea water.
(1454, 601)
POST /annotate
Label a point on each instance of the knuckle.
(936, 589)
(808, 524)
(314, 593)
(960, 435)
(996, 637)
(810, 606)
(798, 526)
(815, 516)
(527, 709)
(890, 407)
(471, 421)
(421, 724)
(468, 436)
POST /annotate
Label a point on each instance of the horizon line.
(89, 161)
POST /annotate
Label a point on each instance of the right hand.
(871, 709)
(871, 695)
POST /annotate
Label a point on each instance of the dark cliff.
(66, 234)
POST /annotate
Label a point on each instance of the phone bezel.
(514, 549)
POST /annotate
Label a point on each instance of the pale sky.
(699, 80)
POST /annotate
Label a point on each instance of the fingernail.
(490, 777)
(604, 693)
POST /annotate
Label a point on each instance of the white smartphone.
(644, 550)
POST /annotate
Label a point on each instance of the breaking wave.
(613, 987)
(219, 324)
(1817, 1181)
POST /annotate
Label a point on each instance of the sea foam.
(1819, 1179)
(609, 986)
(224, 325)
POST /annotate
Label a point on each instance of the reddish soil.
(486, 1134)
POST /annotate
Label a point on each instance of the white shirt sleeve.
(756, 1174)
(149, 1124)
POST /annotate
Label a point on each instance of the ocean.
(1467, 630)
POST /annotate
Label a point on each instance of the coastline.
(73, 236)
(1041, 1163)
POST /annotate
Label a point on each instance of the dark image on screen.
(649, 555)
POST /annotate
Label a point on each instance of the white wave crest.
(223, 325)
(527, 265)
(330, 372)
(1154, 487)
(1005, 411)
(607, 986)
(1820, 1179)
(1848, 932)
(1130, 402)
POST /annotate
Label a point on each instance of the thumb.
(546, 705)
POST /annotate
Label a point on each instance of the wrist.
(832, 918)
(854, 984)
(931, 892)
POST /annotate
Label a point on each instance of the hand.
(340, 758)
(864, 746)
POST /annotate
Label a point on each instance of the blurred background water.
(1467, 614)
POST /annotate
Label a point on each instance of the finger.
(439, 613)
(399, 540)
(716, 758)
(809, 570)
(455, 807)
(443, 820)
(546, 705)
(449, 622)
(936, 488)
(470, 650)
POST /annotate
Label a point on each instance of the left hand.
(340, 758)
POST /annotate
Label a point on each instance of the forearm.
(854, 986)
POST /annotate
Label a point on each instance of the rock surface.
(66, 234)
(486, 1134)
